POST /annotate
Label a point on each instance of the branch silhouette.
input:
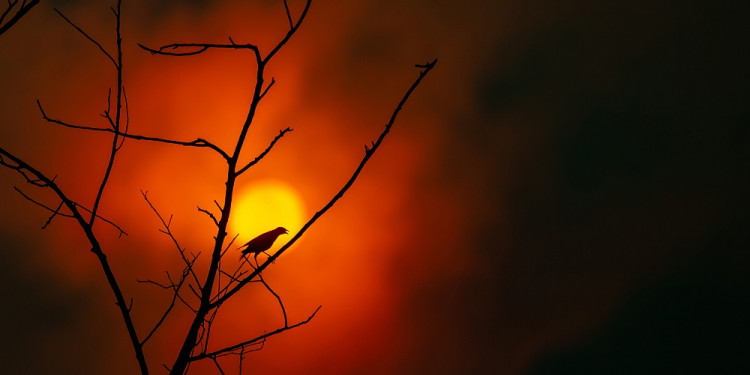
(18, 9)
(37, 178)
(233, 348)
(204, 284)
(198, 142)
(265, 152)
(369, 152)
(56, 211)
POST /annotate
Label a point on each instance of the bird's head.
(281, 230)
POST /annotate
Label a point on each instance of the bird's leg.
(269, 255)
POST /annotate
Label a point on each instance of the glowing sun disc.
(264, 205)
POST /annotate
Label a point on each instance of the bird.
(262, 243)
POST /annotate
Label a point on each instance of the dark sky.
(583, 188)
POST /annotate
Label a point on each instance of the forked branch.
(265, 152)
(369, 152)
(18, 9)
(236, 347)
(218, 285)
(90, 39)
(56, 212)
(197, 48)
(167, 225)
(198, 142)
(37, 178)
(175, 295)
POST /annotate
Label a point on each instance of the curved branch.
(96, 248)
(176, 294)
(198, 142)
(92, 40)
(289, 33)
(25, 7)
(426, 68)
(288, 15)
(168, 231)
(199, 48)
(118, 112)
(278, 298)
(262, 337)
(56, 212)
(265, 152)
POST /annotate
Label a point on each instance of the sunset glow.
(566, 193)
(265, 205)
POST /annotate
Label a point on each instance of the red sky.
(553, 174)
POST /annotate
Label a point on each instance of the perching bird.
(262, 243)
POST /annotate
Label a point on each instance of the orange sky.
(344, 263)
(553, 172)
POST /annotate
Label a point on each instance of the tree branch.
(172, 286)
(22, 10)
(255, 340)
(289, 33)
(221, 371)
(168, 231)
(176, 293)
(207, 212)
(288, 15)
(198, 142)
(122, 232)
(369, 152)
(41, 180)
(273, 81)
(92, 40)
(265, 152)
(278, 298)
(199, 48)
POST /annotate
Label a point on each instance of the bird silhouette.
(262, 243)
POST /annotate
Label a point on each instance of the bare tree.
(203, 294)
(14, 11)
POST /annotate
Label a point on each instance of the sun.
(265, 205)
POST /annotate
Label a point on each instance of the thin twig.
(127, 118)
(168, 231)
(369, 152)
(273, 81)
(87, 36)
(207, 212)
(32, 200)
(254, 340)
(229, 245)
(288, 15)
(278, 298)
(106, 113)
(96, 248)
(210, 324)
(265, 152)
(289, 33)
(55, 213)
(176, 292)
(25, 7)
(217, 365)
(198, 142)
(200, 48)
